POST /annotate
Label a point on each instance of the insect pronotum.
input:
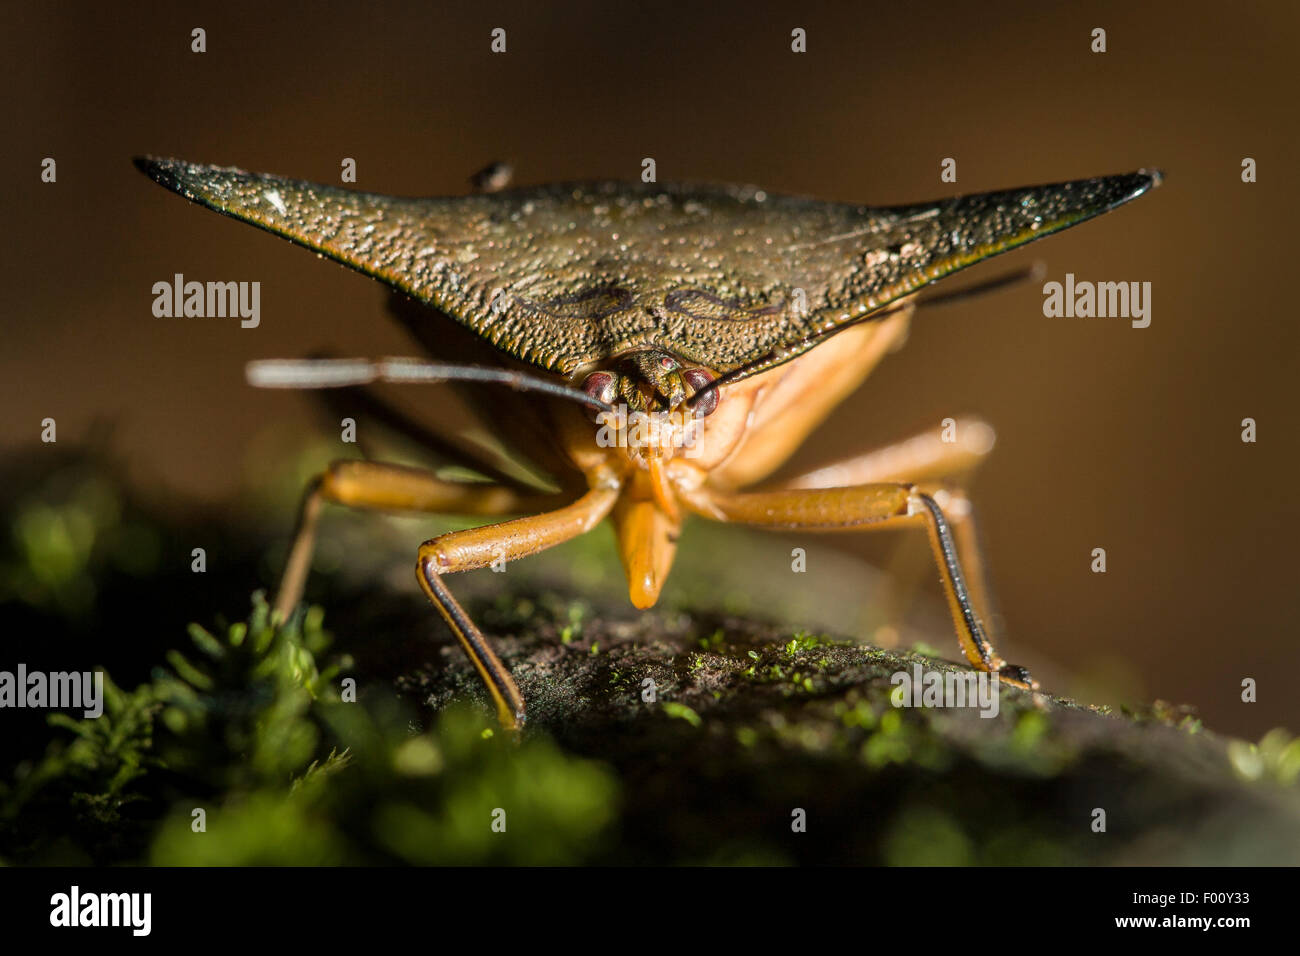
(667, 348)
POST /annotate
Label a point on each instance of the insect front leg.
(943, 470)
(878, 506)
(507, 541)
(382, 487)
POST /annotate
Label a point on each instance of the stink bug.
(680, 343)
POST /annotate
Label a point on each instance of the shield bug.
(668, 347)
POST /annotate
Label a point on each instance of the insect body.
(681, 343)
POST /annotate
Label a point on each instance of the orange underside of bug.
(759, 423)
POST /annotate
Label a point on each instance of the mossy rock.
(766, 702)
(751, 722)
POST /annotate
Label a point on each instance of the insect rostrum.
(641, 296)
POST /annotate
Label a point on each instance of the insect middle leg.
(881, 506)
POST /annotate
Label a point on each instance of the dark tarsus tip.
(1016, 672)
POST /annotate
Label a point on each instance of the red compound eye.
(697, 378)
(601, 386)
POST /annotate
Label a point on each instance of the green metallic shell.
(566, 276)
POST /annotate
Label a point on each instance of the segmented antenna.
(341, 373)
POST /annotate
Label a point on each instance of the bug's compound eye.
(668, 363)
(602, 386)
(698, 378)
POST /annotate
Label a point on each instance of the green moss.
(1182, 716)
(803, 641)
(244, 753)
(92, 770)
(681, 712)
(926, 836)
(714, 640)
(855, 712)
(1031, 728)
(1276, 758)
(64, 534)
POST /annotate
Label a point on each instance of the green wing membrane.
(567, 276)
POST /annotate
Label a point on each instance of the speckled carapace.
(569, 275)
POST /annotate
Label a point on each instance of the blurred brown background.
(1108, 436)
